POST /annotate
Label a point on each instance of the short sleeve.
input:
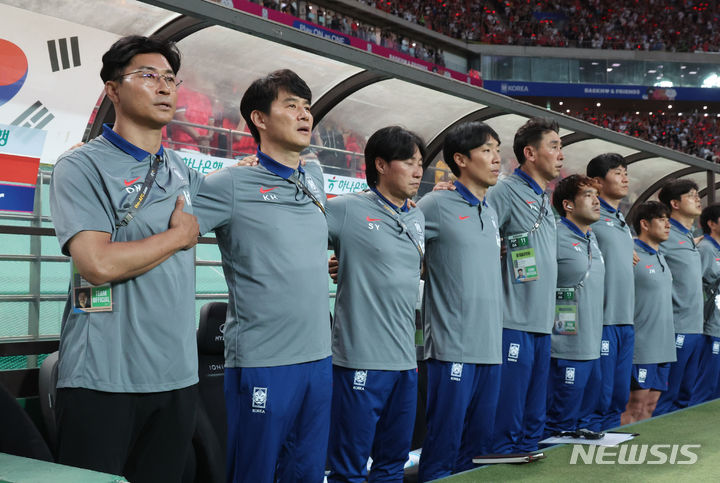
(430, 209)
(78, 201)
(215, 200)
(336, 213)
(497, 198)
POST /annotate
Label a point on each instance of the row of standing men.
(524, 331)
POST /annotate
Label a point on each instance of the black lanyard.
(296, 181)
(143, 193)
(403, 227)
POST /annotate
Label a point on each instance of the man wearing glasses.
(462, 308)
(683, 258)
(122, 209)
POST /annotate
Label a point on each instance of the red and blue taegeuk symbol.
(13, 70)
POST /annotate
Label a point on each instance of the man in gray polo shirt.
(575, 366)
(706, 385)
(681, 198)
(609, 171)
(379, 242)
(462, 307)
(527, 225)
(121, 207)
(270, 225)
(654, 332)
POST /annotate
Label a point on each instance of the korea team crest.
(605, 348)
(569, 375)
(679, 341)
(456, 371)
(359, 380)
(716, 347)
(513, 352)
(259, 399)
(642, 375)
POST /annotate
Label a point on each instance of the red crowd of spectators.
(671, 25)
(696, 133)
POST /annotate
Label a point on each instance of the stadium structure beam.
(342, 90)
(645, 195)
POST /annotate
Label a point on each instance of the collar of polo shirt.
(276, 168)
(467, 194)
(126, 146)
(574, 228)
(528, 179)
(645, 246)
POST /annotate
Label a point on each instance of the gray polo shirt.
(462, 308)
(654, 331)
(378, 279)
(147, 343)
(580, 261)
(686, 267)
(273, 242)
(710, 255)
(616, 243)
(520, 203)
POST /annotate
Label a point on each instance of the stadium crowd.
(676, 25)
(696, 133)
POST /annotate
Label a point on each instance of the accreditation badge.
(565, 312)
(87, 297)
(522, 257)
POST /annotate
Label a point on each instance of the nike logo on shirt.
(464, 217)
(128, 183)
(265, 190)
(681, 242)
(372, 219)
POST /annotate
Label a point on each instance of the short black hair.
(122, 52)
(599, 166)
(463, 138)
(390, 143)
(567, 189)
(674, 189)
(531, 133)
(263, 91)
(710, 213)
(649, 211)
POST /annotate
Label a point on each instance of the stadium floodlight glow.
(663, 83)
(669, 106)
(652, 71)
(692, 72)
(567, 110)
(561, 103)
(704, 108)
(637, 113)
(598, 104)
(616, 65)
(609, 69)
(713, 80)
(683, 67)
(594, 63)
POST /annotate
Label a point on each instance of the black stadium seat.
(19, 436)
(47, 392)
(211, 432)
